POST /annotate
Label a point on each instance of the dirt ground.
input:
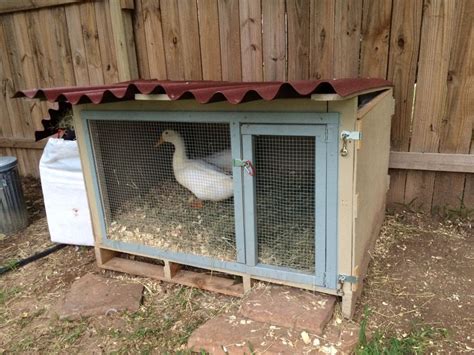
(420, 277)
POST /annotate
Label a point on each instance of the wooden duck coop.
(192, 181)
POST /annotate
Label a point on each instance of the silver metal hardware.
(349, 136)
(348, 278)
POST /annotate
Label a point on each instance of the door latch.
(246, 164)
(349, 136)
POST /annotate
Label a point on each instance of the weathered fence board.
(427, 43)
(209, 39)
(274, 39)
(251, 39)
(321, 39)
(430, 104)
(457, 123)
(402, 64)
(229, 24)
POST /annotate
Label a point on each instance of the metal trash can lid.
(7, 163)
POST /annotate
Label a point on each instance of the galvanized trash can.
(13, 213)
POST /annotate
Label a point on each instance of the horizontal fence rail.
(424, 42)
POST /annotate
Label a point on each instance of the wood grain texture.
(251, 40)
(5, 102)
(189, 29)
(274, 40)
(22, 74)
(436, 44)
(208, 14)
(76, 40)
(172, 40)
(108, 54)
(298, 12)
(457, 124)
(155, 41)
(321, 63)
(403, 59)
(122, 48)
(140, 40)
(130, 44)
(375, 34)
(7, 6)
(229, 28)
(348, 17)
(91, 43)
(433, 162)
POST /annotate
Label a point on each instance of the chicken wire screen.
(167, 185)
(285, 201)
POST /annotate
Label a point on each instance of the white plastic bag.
(64, 193)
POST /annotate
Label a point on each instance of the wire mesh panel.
(285, 200)
(167, 185)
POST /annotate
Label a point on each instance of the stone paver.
(95, 295)
(238, 335)
(289, 307)
(234, 334)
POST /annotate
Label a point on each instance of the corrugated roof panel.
(205, 91)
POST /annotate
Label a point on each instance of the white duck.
(222, 159)
(204, 180)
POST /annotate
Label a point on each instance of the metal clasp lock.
(246, 164)
(347, 136)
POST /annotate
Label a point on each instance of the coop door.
(286, 200)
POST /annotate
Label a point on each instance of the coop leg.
(196, 203)
(247, 281)
(103, 255)
(348, 301)
(171, 269)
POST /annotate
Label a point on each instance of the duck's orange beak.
(160, 142)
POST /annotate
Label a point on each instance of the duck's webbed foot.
(196, 203)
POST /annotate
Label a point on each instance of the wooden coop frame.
(355, 185)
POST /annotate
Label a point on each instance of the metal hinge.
(348, 278)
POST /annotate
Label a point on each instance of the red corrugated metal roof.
(205, 91)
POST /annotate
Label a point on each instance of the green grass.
(416, 342)
(8, 293)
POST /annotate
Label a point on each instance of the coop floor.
(166, 219)
(421, 276)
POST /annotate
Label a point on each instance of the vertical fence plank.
(375, 34)
(22, 73)
(189, 30)
(403, 58)
(347, 38)
(76, 40)
(251, 40)
(457, 124)
(172, 40)
(154, 40)
(321, 39)
(298, 12)
(209, 39)
(91, 43)
(130, 43)
(435, 46)
(106, 42)
(139, 16)
(229, 28)
(6, 111)
(274, 40)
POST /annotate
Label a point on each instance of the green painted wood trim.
(238, 193)
(249, 203)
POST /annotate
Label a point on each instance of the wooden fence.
(428, 42)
